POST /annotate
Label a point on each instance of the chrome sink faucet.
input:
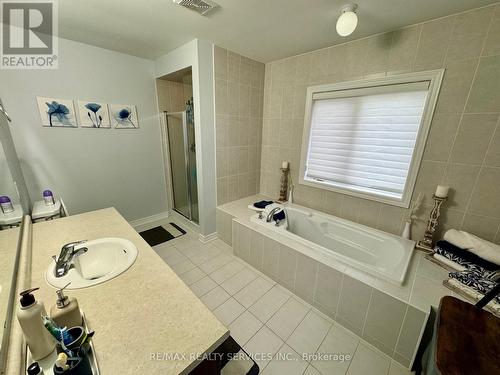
(68, 252)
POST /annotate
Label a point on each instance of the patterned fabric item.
(456, 258)
(464, 256)
(476, 280)
(466, 263)
(475, 276)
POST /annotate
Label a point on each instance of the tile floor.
(264, 317)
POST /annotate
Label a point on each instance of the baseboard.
(150, 221)
(208, 238)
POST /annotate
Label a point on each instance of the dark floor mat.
(156, 235)
(234, 360)
(233, 353)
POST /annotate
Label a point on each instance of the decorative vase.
(407, 230)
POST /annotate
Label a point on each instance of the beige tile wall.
(172, 96)
(463, 148)
(239, 83)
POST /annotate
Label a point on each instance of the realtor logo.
(29, 34)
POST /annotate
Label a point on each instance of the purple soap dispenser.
(48, 197)
(6, 204)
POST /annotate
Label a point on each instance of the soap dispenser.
(66, 312)
(29, 315)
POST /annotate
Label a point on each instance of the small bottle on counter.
(66, 312)
(6, 204)
(48, 197)
(29, 315)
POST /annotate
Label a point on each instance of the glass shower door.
(182, 150)
(192, 178)
(177, 140)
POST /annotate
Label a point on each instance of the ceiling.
(264, 30)
(182, 76)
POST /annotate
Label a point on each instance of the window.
(366, 138)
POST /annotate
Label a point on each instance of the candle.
(284, 165)
(442, 191)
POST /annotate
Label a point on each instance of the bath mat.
(235, 361)
(230, 359)
(158, 235)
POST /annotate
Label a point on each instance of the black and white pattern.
(475, 280)
(475, 276)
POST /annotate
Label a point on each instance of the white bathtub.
(375, 252)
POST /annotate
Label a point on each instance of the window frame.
(434, 77)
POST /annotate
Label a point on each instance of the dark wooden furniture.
(467, 339)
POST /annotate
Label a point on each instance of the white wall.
(6, 182)
(199, 55)
(90, 168)
(12, 181)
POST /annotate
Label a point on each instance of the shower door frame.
(186, 162)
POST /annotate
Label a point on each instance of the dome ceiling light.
(348, 20)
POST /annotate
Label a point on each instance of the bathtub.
(370, 250)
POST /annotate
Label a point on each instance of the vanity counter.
(142, 316)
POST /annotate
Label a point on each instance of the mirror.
(11, 214)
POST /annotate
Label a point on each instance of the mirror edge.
(12, 341)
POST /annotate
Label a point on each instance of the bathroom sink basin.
(105, 259)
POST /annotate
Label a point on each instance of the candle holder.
(426, 244)
(284, 185)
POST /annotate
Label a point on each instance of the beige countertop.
(143, 311)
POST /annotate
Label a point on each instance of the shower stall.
(182, 156)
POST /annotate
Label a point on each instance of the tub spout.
(271, 214)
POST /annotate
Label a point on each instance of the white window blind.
(364, 139)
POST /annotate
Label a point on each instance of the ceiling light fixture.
(348, 20)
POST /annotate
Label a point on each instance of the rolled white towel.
(449, 262)
(482, 248)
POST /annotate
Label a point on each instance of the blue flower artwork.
(93, 115)
(124, 116)
(57, 112)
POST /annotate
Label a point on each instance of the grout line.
(413, 64)
(399, 333)
(497, 235)
(415, 278)
(321, 343)
(340, 295)
(315, 287)
(353, 355)
(366, 312)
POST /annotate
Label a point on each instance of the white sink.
(105, 259)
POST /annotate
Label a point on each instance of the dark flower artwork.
(92, 114)
(59, 111)
(124, 117)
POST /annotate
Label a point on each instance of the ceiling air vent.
(200, 6)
